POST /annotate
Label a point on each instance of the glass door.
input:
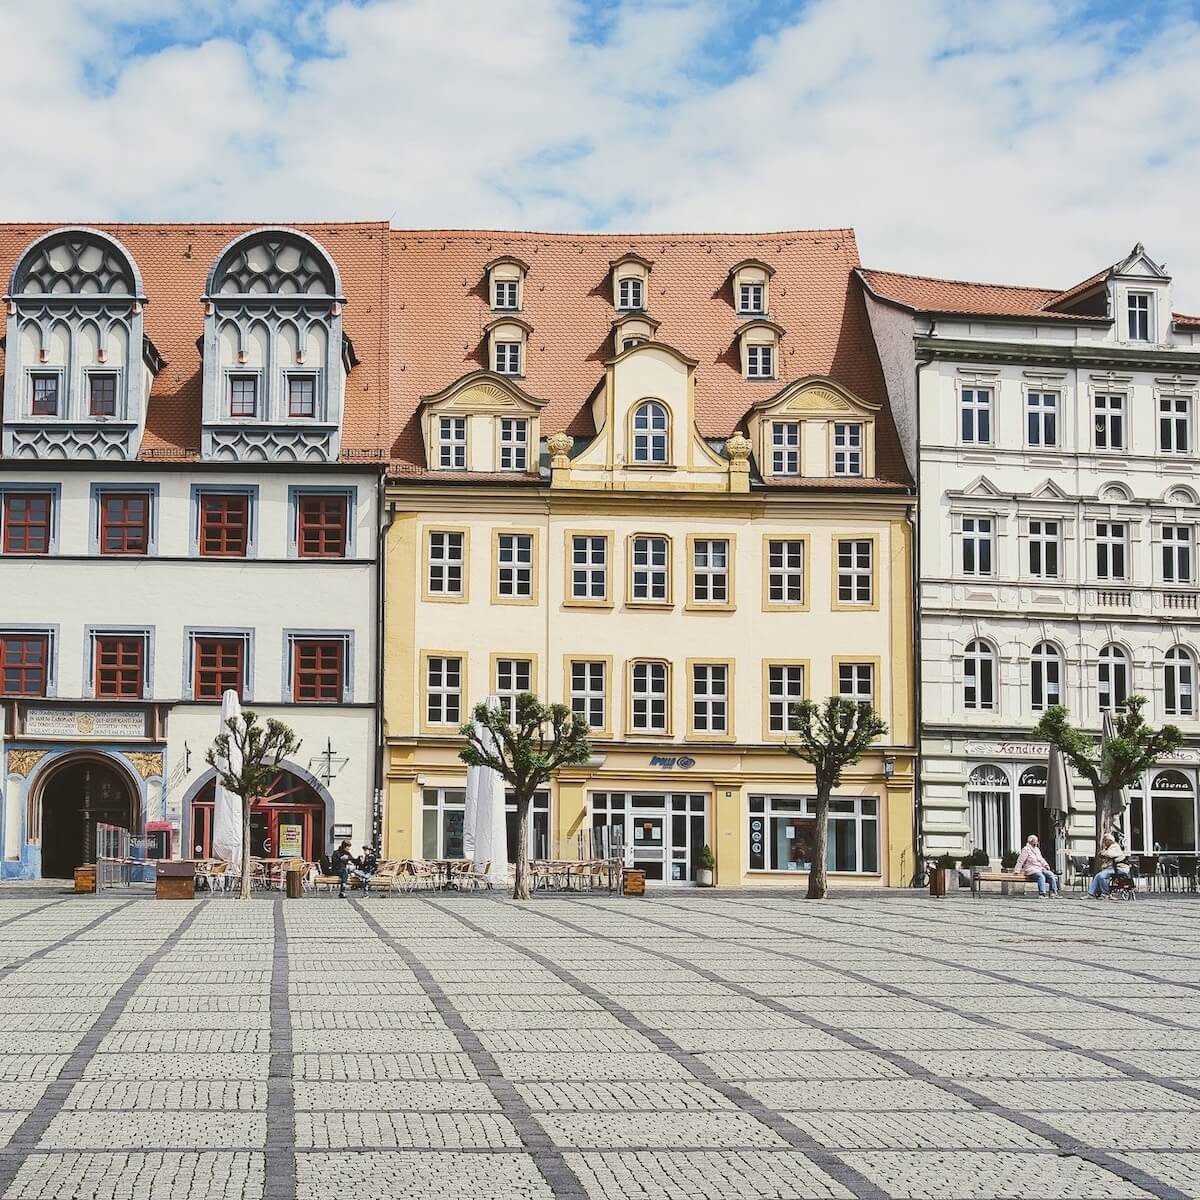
(647, 843)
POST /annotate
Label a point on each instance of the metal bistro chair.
(1081, 868)
(1147, 869)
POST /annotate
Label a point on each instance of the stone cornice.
(1104, 357)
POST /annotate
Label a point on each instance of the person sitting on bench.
(1032, 865)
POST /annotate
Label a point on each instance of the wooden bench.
(1004, 878)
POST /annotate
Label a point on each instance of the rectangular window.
(760, 362)
(514, 444)
(1041, 419)
(452, 443)
(589, 567)
(513, 676)
(785, 571)
(43, 400)
(218, 665)
(648, 712)
(977, 544)
(318, 670)
(856, 681)
(855, 582)
(782, 834)
(785, 447)
(302, 395)
(443, 690)
(102, 395)
(785, 687)
(27, 522)
(710, 698)
(847, 449)
(1110, 550)
(124, 523)
(514, 566)
(322, 525)
(446, 562)
(588, 692)
(508, 358)
(119, 666)
(243, 395)
(710, 571)
(224, 525)
(976, 416)
(1110, 422)
(750, 298)
(1174, 424)
(24, 664)
(1177, 554)
(1138, 309)
(506, 293)
(651, 571)
(1043, 549)
(629, 293)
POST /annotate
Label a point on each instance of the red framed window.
(44, 398)
(27, 522)
(120, 666)
(243, 395)
(102, 395)
(322, 524)
(218, 663)
(125, 523)
(317, 670)
(24, 664)
(224, 525)
(302, 396)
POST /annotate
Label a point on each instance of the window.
(1177, 554)
(785, 687)
(785, 571)
(977, 545)
(648, 711)
(629, 342)
(224, 525)
(589, 567)
(24, 664)
(979, 677)
(505, 293)
(27, 522)
(508, 358)
(318, 670)
(44, 395)
(1174, 424)
(1137, 306)
(1179, 679)
(442, 814)
(1110, 550)
(750, 299)
(1045, 685)
(1043, 549)
(976, 416)
(1112, 678)
(1109, 413)
(1041, 419)
(785, 447)
(124, 523)
(710, 571)
(514, 444)
(988, 810)
(102, 395)
(119, 666)
(847, 449)
(855, 583)
(243, 395)
(856, 681)
(513, 676)
(760, 362)
(650, 433)
(588, 691)
(514, 566)
(322, 525)
(629, 293)
(218, 664)
(452, 443)
(443, 690)
(710, 698)
(445, 563)
(302, 395)
(650, 578)
(782, 834)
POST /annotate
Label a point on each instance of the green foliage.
(946, 862)
(705, 860)
(833, 735)
(977, 858)
(1008, 860)
(261, 747)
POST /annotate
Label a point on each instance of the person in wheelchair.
(1114, 863)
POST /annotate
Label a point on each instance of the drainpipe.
(918, 688)
(385, 512)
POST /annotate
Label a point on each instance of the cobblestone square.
(730, 1046)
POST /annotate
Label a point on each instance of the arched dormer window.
(275, 360)
(506, 283)
(1045, 681)
(651, 435)
(507, 344)
(751, 283)
(1179, 683)
(759, 344)
(979, 677)
(78, 367)
(631, 282)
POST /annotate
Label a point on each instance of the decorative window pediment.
(506, 283)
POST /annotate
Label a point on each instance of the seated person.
(1032, 865)
(343, 860)
(366, 866)
(1112, 858)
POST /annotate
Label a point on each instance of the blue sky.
(1027, 141)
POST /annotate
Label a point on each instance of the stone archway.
(76, 794)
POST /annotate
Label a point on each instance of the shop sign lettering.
(668, 762)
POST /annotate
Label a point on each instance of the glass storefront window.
(782, 830)
(1172, 811)
(442, 824)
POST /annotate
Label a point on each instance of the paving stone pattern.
(687, 1045)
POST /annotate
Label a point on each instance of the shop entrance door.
(659, 833)
(648, 848)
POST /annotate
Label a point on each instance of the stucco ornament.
(22, 762)
(146, 763)
(559, 445)
(738, 448)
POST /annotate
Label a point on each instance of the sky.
(1018, 141)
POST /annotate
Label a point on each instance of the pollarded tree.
(525, 753)
(832, 736)
(1116, 761)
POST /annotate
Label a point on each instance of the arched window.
(1045, 681)
(650, 433)
(1112, 678)
(1179, 681)
(979, 677)
(1173, 812)
(989, 805)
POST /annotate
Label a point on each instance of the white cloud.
(1019, 142)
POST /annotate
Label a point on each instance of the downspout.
(918, 688)
(385, 512)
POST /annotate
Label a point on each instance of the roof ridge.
(103, 223)
(1018, 287)
(599, 235)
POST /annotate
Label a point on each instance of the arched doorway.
(76, 797)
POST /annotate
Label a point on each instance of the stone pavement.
(692, 1045)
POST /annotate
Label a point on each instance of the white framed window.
(785, 571)
(1041, 419)
(513, 676)
(750, 299)
(505, 293)
(1179, 683)
(760, 361)
(1109, 415)
(629, 342)
(710, 697)
(1174, 424)
(514, 444)
(977, 545)
(785, 687)
(856, 681)
(1137, 309)
(1043, 548)
(589, 698)
(648, 710)
(781, 830)
(856, 573)
(650, 433)
(975, 416)
(1045, 681)
(847, 448)
(514, 566)
(443, 690)
(452, 443)
(1112, 678)
(589, 567)
(651, 569)
(1111, 550)
(785, 447)
(508, 358)
(710, 571)
(446, 561)
(442, 818)
(979, 677)
(1177, 553)
(629, 293)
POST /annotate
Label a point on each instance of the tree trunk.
(244, 893)
(521, 874)
(817, 882)
(1104, 816)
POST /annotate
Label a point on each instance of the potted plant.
(705, 864)
(1008, 860)
(943, 875)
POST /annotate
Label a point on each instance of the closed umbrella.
(485, 811)
(1119, 798)
(1060, 799)
(227, 805)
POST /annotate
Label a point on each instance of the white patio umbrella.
(1060, 799)
(227, 807)
(1110, 731)
(485, 812)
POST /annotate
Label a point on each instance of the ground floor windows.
(1163, 820)
(443, 811)
(988, 805)
(659, 833)
(782, 831)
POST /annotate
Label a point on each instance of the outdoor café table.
(272, 870)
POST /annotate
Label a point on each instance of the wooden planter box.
(633, 882)
(85, 878)
(176, 880)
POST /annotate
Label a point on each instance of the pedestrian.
(1032, 865)
(1112, 860)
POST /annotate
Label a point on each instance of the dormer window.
(243, 395)
(630, 342)
(630, 279)
(751, 299)
(1138, 310)
(102, 395)
(759, 342)
(633, 329)
(650, 429)
(506, 345)
(508, 358)
(760, 362)
(452, 443)
(44, 401)
(750, 280)
(629, 294)
(506, 283)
